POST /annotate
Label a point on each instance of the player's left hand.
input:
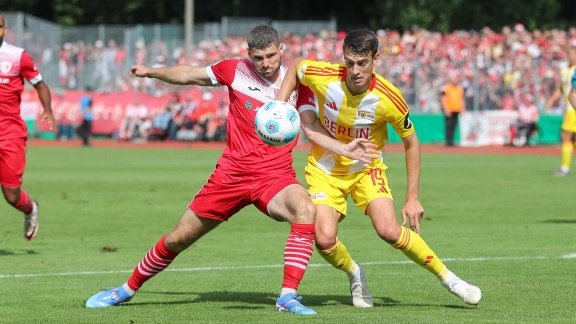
(361, 149)
(413, 212)
(47, 115)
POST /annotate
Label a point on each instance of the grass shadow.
(257, 300)
(560, 221)
(17, 252)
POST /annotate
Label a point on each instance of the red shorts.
(12, 162)
(225, 195)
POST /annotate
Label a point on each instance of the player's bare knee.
(11, 200)
(305, 212)
(11, 196)
(390, 234)
(324, 243)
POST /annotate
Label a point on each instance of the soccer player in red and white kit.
(15, 66)
(248, 172)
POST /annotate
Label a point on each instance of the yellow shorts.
(569, 123)
(333, 190)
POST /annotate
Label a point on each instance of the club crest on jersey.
(407, 122)
(365, 114)
(5, 67)
(248, 104)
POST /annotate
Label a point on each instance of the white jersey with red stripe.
(245, 153)
(348, 116)
(15, 66)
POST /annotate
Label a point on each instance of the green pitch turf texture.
(499, 221)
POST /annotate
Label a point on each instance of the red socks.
(24, 204)
(157, 259)
(297, 254)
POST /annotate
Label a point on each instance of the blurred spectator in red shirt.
(216, 127)
(204, 112)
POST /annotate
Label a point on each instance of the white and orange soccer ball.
(277, 123)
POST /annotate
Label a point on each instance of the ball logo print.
(277, 123)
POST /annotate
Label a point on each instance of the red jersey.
(15, 66)
(245, 153)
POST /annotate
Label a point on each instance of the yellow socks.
(339, 258)
(567, 151)
(414, 247)
(410, 243)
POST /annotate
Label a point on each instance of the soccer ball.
(277, 123)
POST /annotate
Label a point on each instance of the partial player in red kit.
(248, 172)
(15, 66)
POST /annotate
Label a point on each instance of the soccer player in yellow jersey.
(568, 127)
(354, 102)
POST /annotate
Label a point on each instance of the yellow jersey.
(348, 116)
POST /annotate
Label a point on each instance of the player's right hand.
(361, 149)
(138, 70)
(48, 116)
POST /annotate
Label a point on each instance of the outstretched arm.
(178, 74)
(412, 210)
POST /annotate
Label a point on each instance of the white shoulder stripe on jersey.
(212, 75)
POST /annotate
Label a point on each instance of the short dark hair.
(262, 36)
(361, 41)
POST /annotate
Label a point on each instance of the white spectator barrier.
(485, 128)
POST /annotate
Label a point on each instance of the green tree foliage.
(447, 15)
(40, 8)
(439, 15)
(79, 12)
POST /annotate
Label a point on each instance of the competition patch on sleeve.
(407, 122)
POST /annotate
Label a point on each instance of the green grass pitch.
(499, 221)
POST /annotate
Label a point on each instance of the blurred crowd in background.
(494, 67)
(497, 69)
